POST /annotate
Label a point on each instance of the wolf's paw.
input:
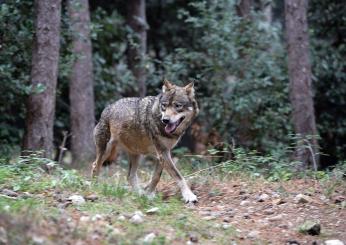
(189, 197)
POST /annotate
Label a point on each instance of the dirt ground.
(271, 213)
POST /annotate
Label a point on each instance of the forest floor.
(67, 208)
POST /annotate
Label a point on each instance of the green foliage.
(327, 24)
(15, 45)
(240, 66)
(112, 77)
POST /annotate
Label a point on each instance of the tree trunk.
(81, 93)
(136, 20)
(299, 70)
(244, 8)
(44, 73)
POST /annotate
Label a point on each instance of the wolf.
(151, 125)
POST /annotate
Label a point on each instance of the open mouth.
(171, 127)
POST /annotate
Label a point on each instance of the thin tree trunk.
(244, 8)
(299, 70)
(136, 19)
(82, 115)
(44, 72)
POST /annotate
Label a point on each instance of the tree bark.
(81, 93)
(44, 72)
(136, 20)
(244, 8)
(299, 71)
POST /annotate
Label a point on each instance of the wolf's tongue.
(170, 127)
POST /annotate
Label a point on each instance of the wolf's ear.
(190, 89)
(167, 85)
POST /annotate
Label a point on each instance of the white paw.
(189, 197)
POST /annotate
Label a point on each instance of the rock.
(138, 212)
(210, 217)
(283, 226)
(9, 193)
(333, 242)
(253, 234)
(244, 203)
(338, 199)
(137, 219)
(292, 242)
(226, 226)
(26, 195)
(91, 197)
(275, 218)
(3, 236)
(193, 237)
(97, 217)
(84, 219)
(152, 210)
(268, 212)
(149, 238)
(121, 218)
(76, 199)
(263, 197)
(300, 198)
(278, 201)
(310, 227)
(38, 240)
(227, 219)
(246, 216)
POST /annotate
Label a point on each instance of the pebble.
(193, 237)
(275, 218)
(263, 197)
(77, 199)
(333, 242)
(310, 227)
(91, 197)
(245, 202)
(253, 234)
(207, 218)
(152, 210)
(149, 238)
(84, 218)
(97, 217)
(300, 198)
(9, 193)
(226, 226)
(136, 219)
(121, 218)
(268, 212)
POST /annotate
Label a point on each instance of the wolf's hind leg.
(102, 154)
(132, 174)
(150, 188)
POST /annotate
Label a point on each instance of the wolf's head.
(178, 107)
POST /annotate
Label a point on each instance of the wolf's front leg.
(167, 162)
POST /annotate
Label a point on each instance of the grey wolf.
(152, 125)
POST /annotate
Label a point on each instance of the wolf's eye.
(178, 106)
(163, 106)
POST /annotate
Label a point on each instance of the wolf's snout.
(165, 121)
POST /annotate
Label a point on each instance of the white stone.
(149, 238)
(245, 202)
(77, 199)
(121, 218)
(136, 219)
(253, 234)
(152, 210)
(333, 242)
